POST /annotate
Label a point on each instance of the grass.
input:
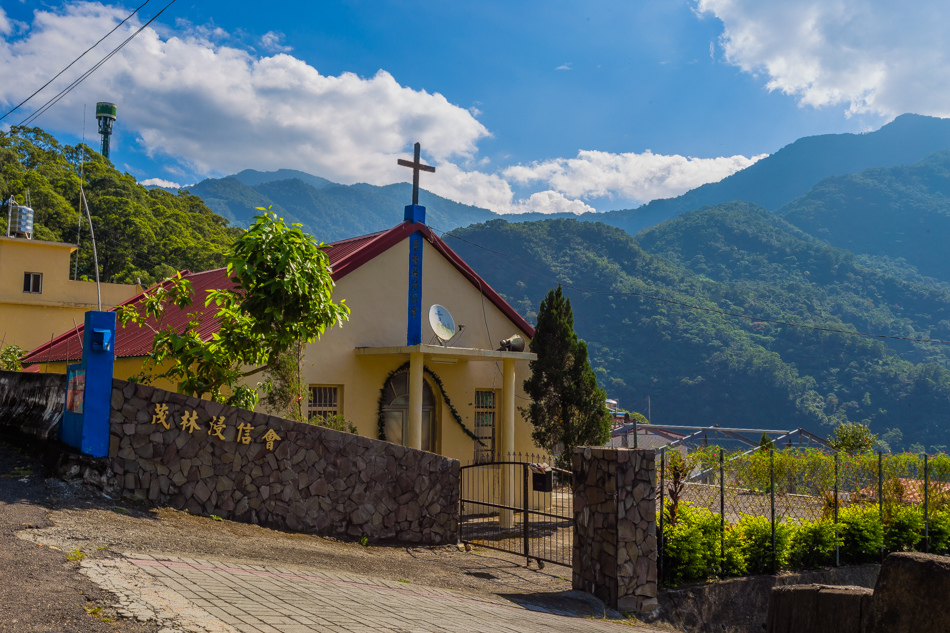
(96, 613)
(216, 517)
(402, 580)
(18, 473)
(75, 556)
(119, 510)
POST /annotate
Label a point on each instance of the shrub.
(736, 561)
(691, 545)
(940, 531)
(756, 537)
(862, 535)
(812, 544)
(903, 528)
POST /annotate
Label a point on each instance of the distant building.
(38, 299)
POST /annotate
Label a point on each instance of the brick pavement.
(207, 596)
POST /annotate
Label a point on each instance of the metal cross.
(416, 168)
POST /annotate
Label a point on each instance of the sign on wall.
(75, 390)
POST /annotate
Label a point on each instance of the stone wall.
(820, 609)
(210, 459)
(32, 403)
(615, 550)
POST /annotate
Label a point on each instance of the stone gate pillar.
(615, 548)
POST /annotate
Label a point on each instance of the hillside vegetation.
(140, 233)
(703, 367)
(328, 210)
(901, 214)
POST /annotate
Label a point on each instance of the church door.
(396, 412)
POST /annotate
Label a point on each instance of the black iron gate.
(519, 506)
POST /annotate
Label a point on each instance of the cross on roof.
(416, 168)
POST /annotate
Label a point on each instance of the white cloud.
(272, 41)
(219, 109)
(213, 108)
(159, 182)
(637, 177)
(875, 56)
(566, 66)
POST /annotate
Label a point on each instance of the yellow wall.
(28, 319)
(377, 295)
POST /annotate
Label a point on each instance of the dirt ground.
(45, 522)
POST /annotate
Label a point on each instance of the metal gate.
(519, 506)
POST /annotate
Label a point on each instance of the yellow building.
(38, 299)
(366, 371)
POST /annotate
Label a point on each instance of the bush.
(756, 538)
(812, 544)
(862, 535)
(940, 531)
(736, 561)
(903, 528)
(691, 544)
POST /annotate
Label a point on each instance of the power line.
(46, 106)
(129, 17)
(690, 306)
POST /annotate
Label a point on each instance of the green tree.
(282, 299)
(10, 357)
(852, 438)
(568, 409)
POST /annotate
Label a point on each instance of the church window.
(485, 425)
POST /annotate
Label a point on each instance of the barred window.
(325, 401)
(485, 425)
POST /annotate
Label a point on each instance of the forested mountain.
(327, 210)
(900, 213)
(140, 233)
(704, 367)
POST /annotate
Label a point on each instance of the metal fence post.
(524, 515)
(722, 515)
(880, 495)
(926, 504)
(772, 501)
(662, 540)
(837, 544)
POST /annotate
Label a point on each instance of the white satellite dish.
(442, 323)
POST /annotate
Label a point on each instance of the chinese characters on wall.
(216, 427)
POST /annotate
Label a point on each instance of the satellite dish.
(442, 323)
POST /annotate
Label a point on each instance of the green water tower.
(105, 114)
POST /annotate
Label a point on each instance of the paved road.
(206, 596)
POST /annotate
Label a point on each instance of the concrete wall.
(615, 550)
(307, 479)
(32, 403)
(28, 319)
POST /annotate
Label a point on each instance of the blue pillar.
(417, 214)
(89, 398)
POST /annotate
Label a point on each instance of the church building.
(385, 369)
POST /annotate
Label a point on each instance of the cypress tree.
(568, 409)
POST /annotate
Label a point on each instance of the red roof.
(345, 257)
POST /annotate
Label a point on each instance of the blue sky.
(544, 106)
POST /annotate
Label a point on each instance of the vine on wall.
(381, 420)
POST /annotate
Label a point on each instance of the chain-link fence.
(735, 513)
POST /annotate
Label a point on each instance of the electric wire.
(53, 101)
(690, 306)
(129, 17)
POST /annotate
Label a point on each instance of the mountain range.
(332, 211)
